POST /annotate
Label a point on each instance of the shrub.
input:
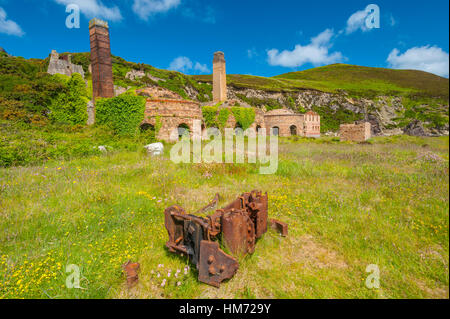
(123, 113)
(245, 116)
(69, 107)
(222, 118)
(209, 115)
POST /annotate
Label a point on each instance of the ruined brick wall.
(355, 132)
(312, 124)
(219, 78)
(101, 64)
(287, 122)
(63, 65)
(172, 113)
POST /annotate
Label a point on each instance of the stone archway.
(147, 127)
(275, 130)
(238, 129)
(183, 130)
(293, 130)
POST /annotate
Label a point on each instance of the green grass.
(347, 206)
(358, 81)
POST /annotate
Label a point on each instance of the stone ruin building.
(62, 64)
(176, 113)
(355, 132)
(169, 111)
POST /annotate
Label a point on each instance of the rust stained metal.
(131, 271)
(279, 226)
(240, 223)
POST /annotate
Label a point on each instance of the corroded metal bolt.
(210, 259)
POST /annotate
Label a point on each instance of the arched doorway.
(275, 130)
(293, 130)
(183, 130)
(147, 127)
(258, 128)
(238, 129)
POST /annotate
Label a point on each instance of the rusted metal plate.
(279, 226)
(238, 232)
(215, 266)
(131, 271)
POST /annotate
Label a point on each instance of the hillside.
(394, 101)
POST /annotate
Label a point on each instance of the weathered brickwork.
(63, 65)
(172, 114)
(355, 132)
(219, 78)
(101, 63)
(285, 123)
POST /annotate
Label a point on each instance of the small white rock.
(155, 149)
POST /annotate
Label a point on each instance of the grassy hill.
(27, 92)
(356, 80)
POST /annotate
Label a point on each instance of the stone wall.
(312, 124)
(355, 132)
(172, 113)
(63, 65)
(284, 122)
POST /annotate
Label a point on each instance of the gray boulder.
(414, 128)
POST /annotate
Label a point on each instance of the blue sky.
(258, 37)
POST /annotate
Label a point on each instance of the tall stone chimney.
(101, 64)
(219, 78)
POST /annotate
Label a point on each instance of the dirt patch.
(306, 252)
(435, 292)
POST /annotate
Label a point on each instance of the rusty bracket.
(279, 226)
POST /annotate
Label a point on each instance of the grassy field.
(347, 206)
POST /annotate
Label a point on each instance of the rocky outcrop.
(382, 112)
(415, 128)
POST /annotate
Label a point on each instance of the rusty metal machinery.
(238, 224)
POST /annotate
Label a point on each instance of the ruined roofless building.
(63, 65)
(101, 63)
(219, 78)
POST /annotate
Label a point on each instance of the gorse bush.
(70, 106)
(123, 113)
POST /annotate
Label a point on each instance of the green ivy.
(158, 124)
(123, 113)
(209, 115)
(69, 107)
(245, 116)
(222, 118)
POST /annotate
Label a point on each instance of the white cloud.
(146, 8)
(95, 9)
(184, 64)
(202, 68)
(8, 26)
(357, 21)
(430, 59)
(316, 53)
(181, 64)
